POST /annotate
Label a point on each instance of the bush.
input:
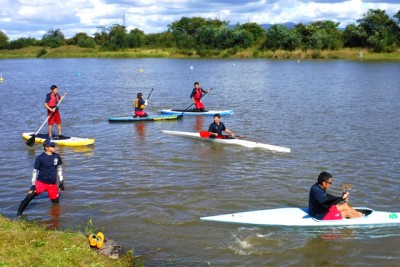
(41, 52)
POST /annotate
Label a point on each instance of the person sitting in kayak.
(323, 206)
(217, 127)
(139, 106)
(196, 96)
(48, 166)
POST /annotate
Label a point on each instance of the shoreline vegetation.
(30, 244)
(73, 51)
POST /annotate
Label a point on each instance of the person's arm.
(211, 130)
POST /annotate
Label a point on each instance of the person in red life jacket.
(196, 96)
(50, 104)
(139, 106)
(217, 127)
(48, 166)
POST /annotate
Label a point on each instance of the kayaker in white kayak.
(217, 127)
(324, 206)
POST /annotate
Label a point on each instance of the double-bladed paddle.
(31, 141)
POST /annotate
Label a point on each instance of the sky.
(34, 18)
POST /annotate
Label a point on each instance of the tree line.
(375, 31)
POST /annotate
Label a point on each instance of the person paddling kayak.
(217, 127)
(48, 166)
(196, 95)
(324, 206)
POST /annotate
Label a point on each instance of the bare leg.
(59, 128)
(50, 129)
(348, 212)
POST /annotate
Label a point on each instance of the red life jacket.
(198, 93)
(53, 100)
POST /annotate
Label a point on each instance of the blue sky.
(33, 18)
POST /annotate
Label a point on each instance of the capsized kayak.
(235, 141)
(300, 217)
(196, 113)
(149, 118)
(61, 140)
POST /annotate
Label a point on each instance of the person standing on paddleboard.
(196, 95)
(139, 106)
(324, 206)
(217, 127)
(53, 113)
(48, 166)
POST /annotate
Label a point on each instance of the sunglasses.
(329, 182)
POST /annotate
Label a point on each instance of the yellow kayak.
(61, 140)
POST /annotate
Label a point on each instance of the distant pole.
(123, 20)
(361, 55)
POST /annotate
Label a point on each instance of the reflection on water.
(199, 124)
(140, 129)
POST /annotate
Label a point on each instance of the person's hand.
(345, 195)
(32, 190)
(61, 185)
(145, 102)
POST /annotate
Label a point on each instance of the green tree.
(280, 37)
(3, 40)
(136, 38)
(256, 30)
(53, 38)
(354, 36)
(22, 42)
(117, 38)
(101, 36)
(382, 31)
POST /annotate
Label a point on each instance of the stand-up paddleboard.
(149, 118)
(235, 141)
(300, 217)
(61, 140)
(192, 112)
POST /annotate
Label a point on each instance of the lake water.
(147, 190)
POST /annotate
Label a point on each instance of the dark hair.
(139, 95)
(324, 177)
(217, 115)
(196, 83)
(53, 87)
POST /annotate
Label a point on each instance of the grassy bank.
(28, 244)
(77, 52)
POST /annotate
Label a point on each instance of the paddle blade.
(31, 141)
(204, 134)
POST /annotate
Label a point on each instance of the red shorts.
(140, 113)
(51, 189)
(54, 117)
(198, 104)
(333, 214)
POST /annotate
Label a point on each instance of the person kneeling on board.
(48, 166)
(217, 127)
(323, 206)
(139, 106)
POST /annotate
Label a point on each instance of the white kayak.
(235, 141)
(300, 217)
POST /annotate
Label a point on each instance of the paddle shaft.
(149, 93)
(200, 98)
(48, 117)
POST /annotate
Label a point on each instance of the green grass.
(28, 244)
(72, 51)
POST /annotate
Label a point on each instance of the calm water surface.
(147, 190)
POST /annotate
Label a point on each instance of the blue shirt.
(319, 201)
(215, 128)
(47, 167)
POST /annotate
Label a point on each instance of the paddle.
(200, 98)
(31, 141)
(149, 94)
(206, 134)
